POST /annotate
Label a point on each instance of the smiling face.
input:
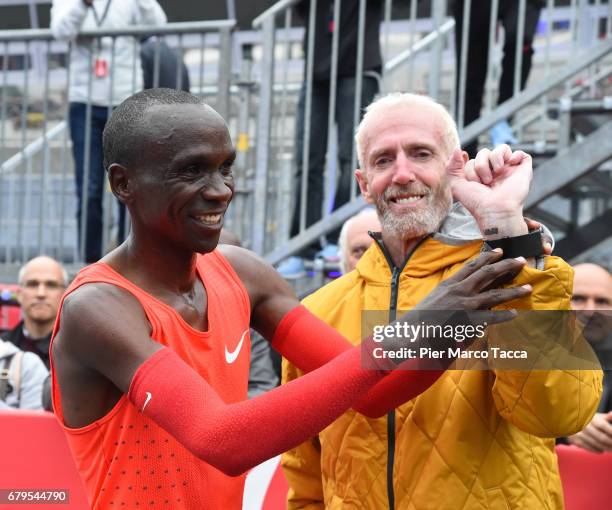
(403, 172)
(183, 183)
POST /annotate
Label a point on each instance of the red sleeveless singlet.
(125, 459)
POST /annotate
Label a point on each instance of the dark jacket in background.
(38, 346)
(168, 61)
(349, 30)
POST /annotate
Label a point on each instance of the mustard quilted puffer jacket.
(474, 440)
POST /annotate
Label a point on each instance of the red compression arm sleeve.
(236, 437)
(308, 343)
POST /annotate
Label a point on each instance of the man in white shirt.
(94, 66)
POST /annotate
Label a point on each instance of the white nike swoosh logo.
(230, 357)
(146, 401)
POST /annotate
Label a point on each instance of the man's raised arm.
(104, 334)
(309, 343)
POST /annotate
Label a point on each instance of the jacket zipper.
(391, 414)
(395, 276)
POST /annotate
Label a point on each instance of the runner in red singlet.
(150, 352)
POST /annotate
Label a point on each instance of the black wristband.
(528, 245)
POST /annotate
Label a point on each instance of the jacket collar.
(457, 239)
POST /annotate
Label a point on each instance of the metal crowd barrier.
(254, 79)
(37, 188)
(572, 60)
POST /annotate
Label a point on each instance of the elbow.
(230, 461)
(231, 466)
(234, 470)
(371, 412)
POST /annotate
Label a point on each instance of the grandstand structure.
(253, 77)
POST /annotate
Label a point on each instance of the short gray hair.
(395, 100)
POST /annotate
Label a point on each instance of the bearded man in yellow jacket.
(477, 439)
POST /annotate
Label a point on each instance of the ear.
(19, 296)
(364, 187)
(120, 179)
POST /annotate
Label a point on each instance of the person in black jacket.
(169, 59)
(477, 58)
(345, 97)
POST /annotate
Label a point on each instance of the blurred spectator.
(477, 58)
(355, 238)
(41, 284)
(262, 374)
(22, 375)
(345, 99)
(169, 59)
(593, 298)
(90, 84)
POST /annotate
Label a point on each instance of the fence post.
(241, 215)
(262, 153)
(439, 11)
(225, 73)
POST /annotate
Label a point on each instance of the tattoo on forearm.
(491, 231)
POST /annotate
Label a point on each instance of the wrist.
(500, 225)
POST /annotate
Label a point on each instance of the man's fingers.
(483, 167)
(491, 316)
(473, 265)
(496, 297)
(455, 164)
(499, 156)
(588, 444)
(517, 157)
(499, 272)
(600, 424)
(603, 440)
(470, 172)
(595, 438)
(546, 241)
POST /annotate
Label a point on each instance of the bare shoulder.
(96, 306)
(270, 295)
(103, 328)
(259, 277)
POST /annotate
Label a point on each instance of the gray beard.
(419, 223)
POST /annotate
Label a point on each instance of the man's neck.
(157, 268)
(37, 330)
(398, 248)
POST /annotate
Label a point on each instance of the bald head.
(354, 238)
(46, 264)
(127, 132)
(592, 288)
(41, 284)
